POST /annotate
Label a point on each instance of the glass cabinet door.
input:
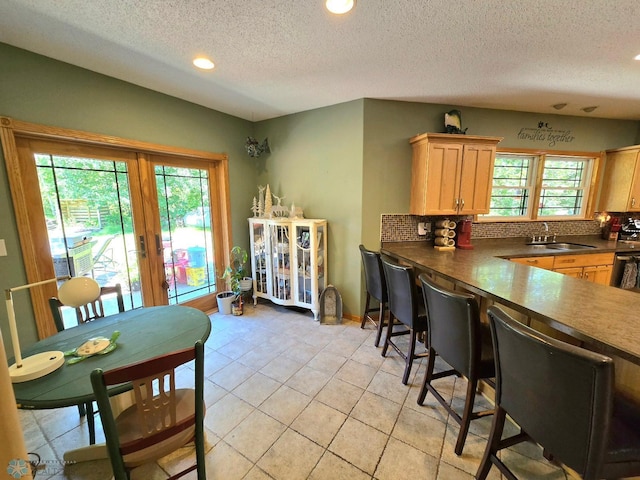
(310, 242)
(320, 246)
(305, 264)
(280, 258)
(259, 257)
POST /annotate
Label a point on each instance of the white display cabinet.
(289, 261)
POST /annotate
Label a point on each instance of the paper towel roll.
(444, 242)
(446, 224)
(444, 232)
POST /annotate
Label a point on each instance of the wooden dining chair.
(86, 313)
(90, 311)
(163, 417)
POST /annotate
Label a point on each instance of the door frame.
(23, 184)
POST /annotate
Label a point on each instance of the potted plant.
(236, 274)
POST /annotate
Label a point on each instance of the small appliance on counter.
(464, 235)
(630, 230)
(611, 229)
(444, 235)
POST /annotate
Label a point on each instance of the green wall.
(40, 90)
(316, 163)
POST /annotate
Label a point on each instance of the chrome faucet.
(547, 235)
(544, 238)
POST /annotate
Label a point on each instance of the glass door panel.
(259, 256)
(87, 207)
(186, 233)
(280, 256)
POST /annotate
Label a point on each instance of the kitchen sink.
(562, 246)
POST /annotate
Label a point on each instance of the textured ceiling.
(274, 57)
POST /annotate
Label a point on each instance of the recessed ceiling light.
(637, 57)
(559, 106)
(203, 63)
(589, 109)
(340, 6)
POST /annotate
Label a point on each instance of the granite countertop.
(605, 317)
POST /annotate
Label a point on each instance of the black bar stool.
(406, 306)
(562, 397)
(376, 288)
(456, 334)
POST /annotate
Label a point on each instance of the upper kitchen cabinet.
(621, 180)
(451, 174)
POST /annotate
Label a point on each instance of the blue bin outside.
(196, 257)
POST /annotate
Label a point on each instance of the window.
(530, 186)
(513, 182)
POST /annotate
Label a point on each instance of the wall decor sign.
(545, 133)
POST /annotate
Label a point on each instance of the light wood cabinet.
(451, 174)
(598, 274)
(289, 261)
(540, 262)
(621, 181)
(593, 267)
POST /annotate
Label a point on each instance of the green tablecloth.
(144, 333)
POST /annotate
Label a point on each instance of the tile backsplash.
(404, 228)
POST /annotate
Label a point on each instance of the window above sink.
(542, 185)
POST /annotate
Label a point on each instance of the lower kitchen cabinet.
(598, 274)
(540, 262)
(593, 267)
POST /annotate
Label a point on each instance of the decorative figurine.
(254, 149)
(296, 212)
(278, 211)
(453, 122)
(268, 203)
(260, 201)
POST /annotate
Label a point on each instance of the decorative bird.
(453, 122)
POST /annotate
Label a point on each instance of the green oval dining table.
(144, 333)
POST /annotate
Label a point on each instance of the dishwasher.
(626, 268)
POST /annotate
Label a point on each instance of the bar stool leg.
(410, 356)
(366, 311)
(466, 415)
(380, 324)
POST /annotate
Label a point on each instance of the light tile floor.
(288, 398)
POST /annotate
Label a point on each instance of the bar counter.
(606, 319)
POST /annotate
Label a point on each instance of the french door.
(152, 219)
